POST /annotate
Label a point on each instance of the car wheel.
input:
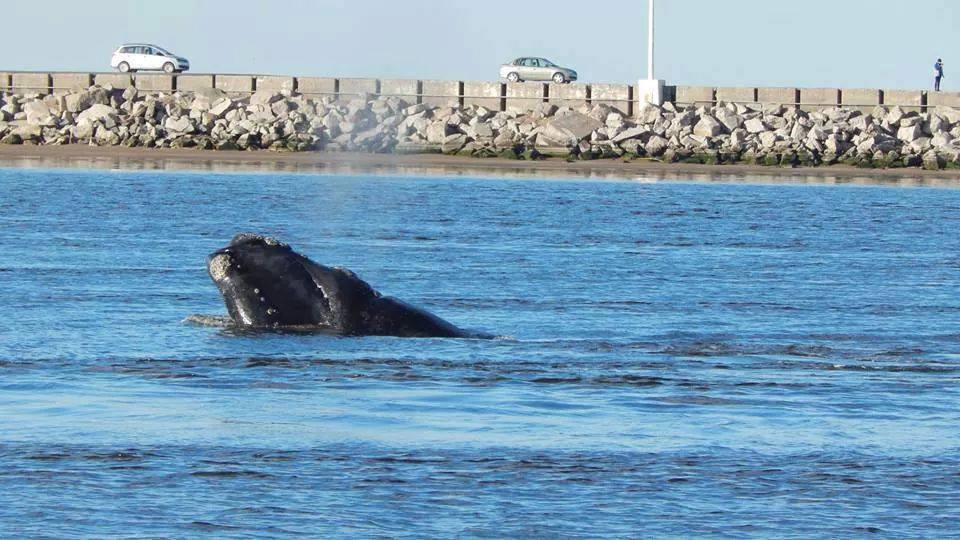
(168, 68)
(559, 78)
(124, 67)
(513, 77)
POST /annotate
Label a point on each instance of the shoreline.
(352, 163)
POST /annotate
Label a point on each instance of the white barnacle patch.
(219, 266)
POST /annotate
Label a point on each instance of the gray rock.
(438, 131)
(98, 112)
(570, 128)
(630, 133)
(909, 133)
(941, 139)
(544, 110)
(453, 143)
(179, 125)
(505, 139)
(755, 125)
(614, 120)
(768, 139)
(729, 119)
(894, 116)
(481, 131)
(656, 146)
(78, 101)
(265, 97)
(708, 126)
(204, 100)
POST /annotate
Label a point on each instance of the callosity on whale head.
(265, 284)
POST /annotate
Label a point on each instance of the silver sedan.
(536, 69)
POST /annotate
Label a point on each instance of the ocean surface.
(676, 360)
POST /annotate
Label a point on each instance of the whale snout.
(219, 264)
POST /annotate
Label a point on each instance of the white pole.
(650, 43)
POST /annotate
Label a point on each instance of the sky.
(802, 43)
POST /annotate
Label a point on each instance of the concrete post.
(650, 90)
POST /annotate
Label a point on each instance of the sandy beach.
(185, 159)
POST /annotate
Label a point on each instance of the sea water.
(674, 360)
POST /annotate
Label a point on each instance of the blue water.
(677, 359)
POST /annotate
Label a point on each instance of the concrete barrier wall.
(863, 99)
(116, 80)
(64, 83)
(812, 99)
(492, 95)
(943, 99)
(524, 96)
(737, 95)
(441, 93)
(234, 83)
(618, 96)
(31, 82)
(351, 88)
(154, 82)
(273, 83)
(570, 95)
(190, 83)
(317, 86)
(484, 94)
(405, 89)
(908, 100)
(691, 95)
(783, 96)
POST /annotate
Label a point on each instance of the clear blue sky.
(847, 43)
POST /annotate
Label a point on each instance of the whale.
(267, 285)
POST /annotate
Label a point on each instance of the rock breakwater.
(725, 133)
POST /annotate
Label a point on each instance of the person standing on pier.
(937, 74)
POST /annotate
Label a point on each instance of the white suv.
(143, 56)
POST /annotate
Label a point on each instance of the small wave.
(230, 474)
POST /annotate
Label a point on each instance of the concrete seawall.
(770, 126)
(496, 96)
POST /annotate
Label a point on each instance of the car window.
(546, 63)
(126, 50)
(530, 62)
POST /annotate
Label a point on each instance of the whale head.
(265, 284)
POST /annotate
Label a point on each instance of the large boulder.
(38, 114)
(78, 101)
(910, 133)
(708, 126)
(99, 112)
(178, 125)
(656, 146)
(630, 133)
(729, 119)
(768, 139)
(755, 125)
(570, 128)
(453, 143)
(206, 98)
(265, 97)
(438, 131)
